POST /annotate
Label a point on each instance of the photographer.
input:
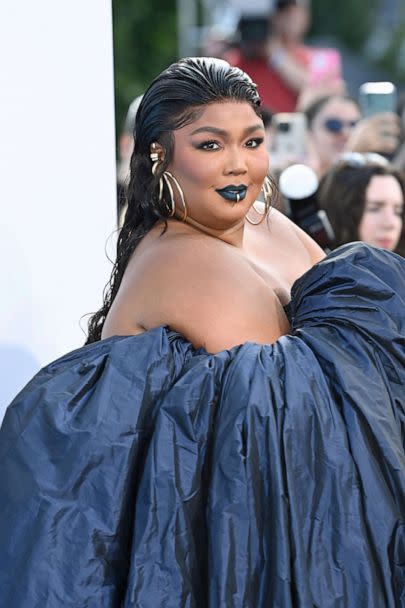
(271, 52)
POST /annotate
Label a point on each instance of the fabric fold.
(139, 471)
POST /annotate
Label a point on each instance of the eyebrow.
(223, 133)
(380, 203)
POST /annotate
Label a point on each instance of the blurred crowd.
(339, 161)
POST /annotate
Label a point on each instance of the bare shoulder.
(172, 255)
(292, 236)
(204, 289)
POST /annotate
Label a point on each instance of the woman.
(195, 175)
(164, 466)
(336, 126)
(364, 201)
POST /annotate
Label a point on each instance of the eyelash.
(204, 145)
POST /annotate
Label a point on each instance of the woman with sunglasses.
(363, 196)
(335, 126)
(210, 447)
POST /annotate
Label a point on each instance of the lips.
(233, 193)
(385, 243)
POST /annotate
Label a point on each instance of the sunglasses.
(335, 125)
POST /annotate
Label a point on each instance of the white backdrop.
(57, 178)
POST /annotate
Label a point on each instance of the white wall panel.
(57, 178)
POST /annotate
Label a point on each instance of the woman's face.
(223, 149)
(291, 23)
(331, 129)
(381, 223)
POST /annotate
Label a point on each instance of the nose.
(235, 163)
(346, 132)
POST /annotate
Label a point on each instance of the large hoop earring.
(168, 178)
(268, 194)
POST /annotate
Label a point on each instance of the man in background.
(272, 52)
(125, 149)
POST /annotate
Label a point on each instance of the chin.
(227, 217)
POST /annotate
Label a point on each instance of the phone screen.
(324, 64)
(375, 97)
(288, 138)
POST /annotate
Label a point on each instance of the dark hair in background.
(174, 99)
(342, 194)
(400, 109)
(281, 5)
(401, 104)
(316, 106)
(254, 28)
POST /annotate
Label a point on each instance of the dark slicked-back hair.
(177, 97)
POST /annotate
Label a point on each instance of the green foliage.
(356, 24)
(145, 42)
(348, 20)
(393, 59)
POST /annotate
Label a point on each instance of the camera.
(252, 28)
(299, 185)
(283, 127)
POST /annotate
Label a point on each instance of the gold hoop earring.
(268, 194)
(167, 178)
(156, 160)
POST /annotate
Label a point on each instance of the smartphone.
(375, 97)
(289, 137)
(324, 64)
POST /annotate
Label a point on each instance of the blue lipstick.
(233, 193)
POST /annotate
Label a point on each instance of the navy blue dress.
(140, 472)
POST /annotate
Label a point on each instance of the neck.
(233, 236)
(285, 41)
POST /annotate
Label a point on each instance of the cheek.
(260, 166)
(196, 173)
(367, 227)
(399, 225)
(321, 139)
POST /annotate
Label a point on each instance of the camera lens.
(283, 127)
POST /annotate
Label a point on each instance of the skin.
(291, 24)
(329, 146)
(381, 223)
(216, 279)
(288, 29)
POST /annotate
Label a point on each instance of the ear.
(157, 152)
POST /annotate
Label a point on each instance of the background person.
(271, 50)
(335, 126)
(125, 149)
(364, 200)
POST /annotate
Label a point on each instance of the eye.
(255, 142)
(399, 211)
(373, 206)
(208, 145)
